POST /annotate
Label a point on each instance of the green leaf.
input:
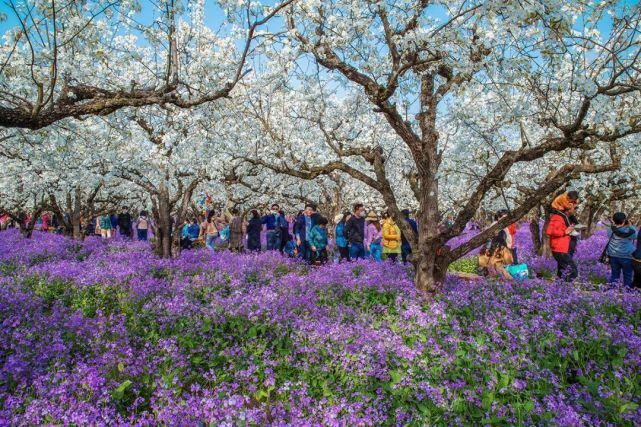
(119, 392)
(396, 376)
(253, 331)
(487, 400)
(424, 409)
(630, 406)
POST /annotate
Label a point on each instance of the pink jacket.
(371, 233)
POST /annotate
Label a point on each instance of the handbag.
(518, 272)
(605, 258)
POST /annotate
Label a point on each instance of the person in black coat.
(355, 232)
(254, 227)
(124, 223)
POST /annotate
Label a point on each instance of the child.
(291, 250)
(318, 242)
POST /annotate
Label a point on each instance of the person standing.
(142, 227)
(254, 227)
(373, 236)
(562, 203)
(318, 242)
(210, 232)
(636, 264)
(560, 232)
(105, 226)
(391, 238)
(272, 225)
(355, 232)
(124, 223)
(236, 231)
(285, 236)
(406, 248)
(620, 248)
(44, 226)
(341, 240)
(302, 227)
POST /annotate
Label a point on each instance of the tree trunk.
(76, 216)
(26, 227)
(546, 250)
(431, 263)
(535, 232)
(163, 225)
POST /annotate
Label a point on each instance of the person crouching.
(494, 257)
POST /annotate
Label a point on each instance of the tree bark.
(546, 249)
(535, 232)
(162, 215)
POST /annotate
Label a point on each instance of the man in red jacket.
(560, 232)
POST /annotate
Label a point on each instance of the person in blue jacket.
(303, 225)
(189, 234)
(273, 223)
(341, 239)
(620, 248)
(318, 242)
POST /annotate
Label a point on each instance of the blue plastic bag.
(518, 272)
(224, 234)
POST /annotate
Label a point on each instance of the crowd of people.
(359, 234)
(499, 256)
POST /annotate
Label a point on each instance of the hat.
(371, 216)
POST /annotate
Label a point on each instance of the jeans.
(618, 265)
(356, 250)
(566, 267)
(210, 241)
(636, 266)
(406, 250)
(273, 240)
(344, 252)
(142, 235)
(375, 251)
(305, 251)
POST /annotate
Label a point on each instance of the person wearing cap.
(620, 248)
(406, 248)
(373, 236)
(391, 238)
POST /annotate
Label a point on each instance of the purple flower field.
(104, 333)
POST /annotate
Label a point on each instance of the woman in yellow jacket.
(391, 238)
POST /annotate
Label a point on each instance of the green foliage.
(465, 265)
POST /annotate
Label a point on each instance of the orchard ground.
(105, 333)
